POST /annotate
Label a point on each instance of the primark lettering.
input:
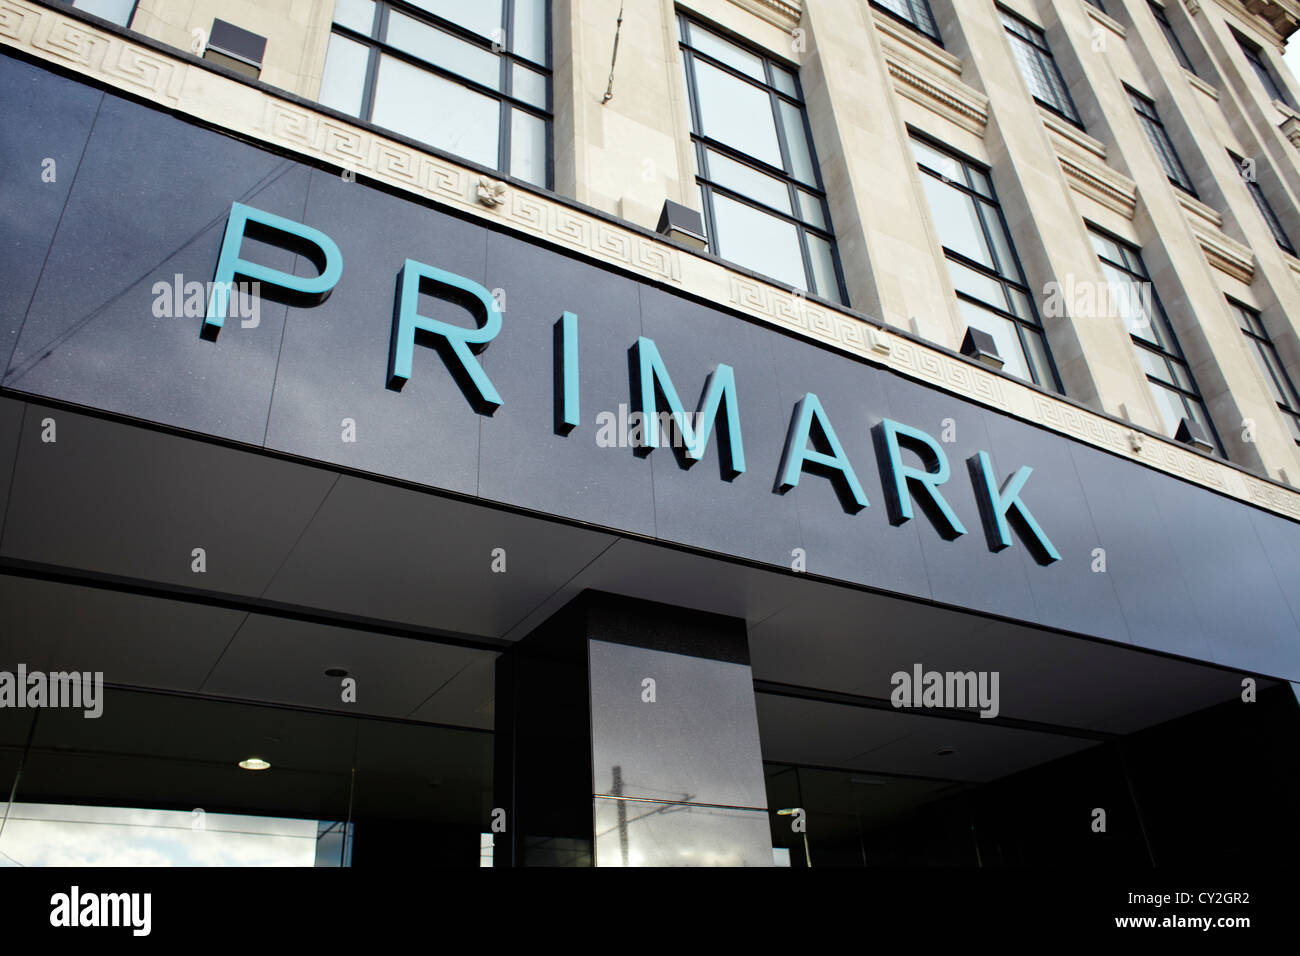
(811, 444)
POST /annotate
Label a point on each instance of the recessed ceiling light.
(945, 751)
(336, 672)
(254, 763)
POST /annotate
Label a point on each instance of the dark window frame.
(135, 6)
(1162, 18)
(703, 143)
(1017, 282)
(1033, 38)
(1158, 136)
(376, 46)
(1252, 326)
(917, 23)
(1169, 349)
(1264, 72)
(1264, 206)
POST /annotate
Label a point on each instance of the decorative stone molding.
(1290, 128)
(777, 12)
(1226, 254)
(930, 76)
(490, 192)
(1204, 86)
(1060, 130)
(1107, 21)
(1100, 184)
(191, 89)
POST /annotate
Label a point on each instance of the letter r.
(407, 320)
(245, 220)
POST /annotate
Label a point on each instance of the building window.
(986, 273)
(915, 13)
(1133, 296)
(1160, 141)
(114, 11)
(1249, 176)
(1275, 377)
(1162, 18)
(760, 188)
(469, 78)
(1259, 63)
(1039, 68)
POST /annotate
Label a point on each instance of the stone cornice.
(1226, 254)
(931, 77)
(189, 87)
(782, 13)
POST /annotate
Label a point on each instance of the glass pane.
(801, 164)
(115, 11)
(482, 16)
(1155, 365)
(436, 111)
(784, 81)
(530, 29)
(1170, 406)
(810, 210)
(730, 54)
(443, 49)
(981, 183)
(757, 241)
(956, 221)
(344, 79)
(528, 147)
(1001, 242)
(1020, 305)
(1004, 337)
(823, 267)
(357, 15)
(1106, 248)
(1274, 374)
(1037, 348)
(1131, 301)
(977, 284)
(528, 85)
(736, 113)
(941, 163)
(749, 182)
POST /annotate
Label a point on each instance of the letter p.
(312, 243)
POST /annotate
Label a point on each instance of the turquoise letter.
(566, 350)
(994, 506)
(229, 264)
(649, 369)
(797, 451)
(408, 319)
(927, 482)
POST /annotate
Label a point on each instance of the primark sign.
(912, 482)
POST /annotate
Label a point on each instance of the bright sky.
(1292, 57)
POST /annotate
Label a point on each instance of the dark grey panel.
(1280, 539)
(48, 118)
(962, 571)
(696, 741)
(1067, 593)
(861, 547)
(524, 461)
(694, 505)
(84, 501)
(1234, 589)
(11, 419)
(334, 364)
(140, 215)
(1140, 561)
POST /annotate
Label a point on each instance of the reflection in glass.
(429, 43)
(344, 82)
(758, 241)
(437, 111)
(736, 113)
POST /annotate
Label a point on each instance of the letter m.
(651, 383)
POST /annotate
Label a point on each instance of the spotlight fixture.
(254, 763)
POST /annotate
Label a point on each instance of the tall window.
(469, 78)
(1041, 73)
(1275, 377)
(917, 13)
(986, 273)
(1159, 136)
(1259, 63)
(1249, 176)
(760, 189)
(1158, 351)
(1162, 18)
